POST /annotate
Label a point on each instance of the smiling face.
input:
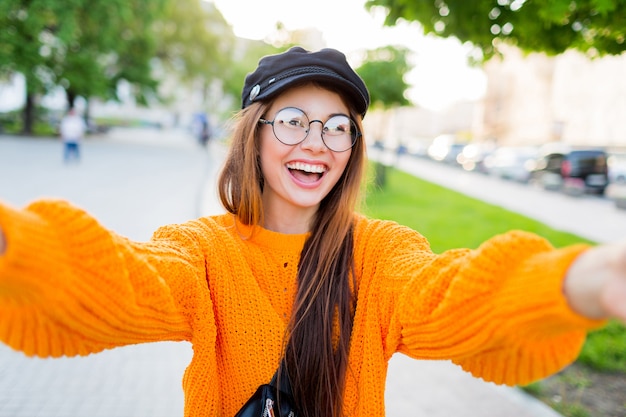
(298, 177)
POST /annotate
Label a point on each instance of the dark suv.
(577, 171)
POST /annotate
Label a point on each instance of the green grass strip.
(449, 219)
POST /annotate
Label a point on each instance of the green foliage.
(565, 398)
(83, 46)
(193, 41)
(383, 72)
(595, 27)
(89, 47)
(571, 410)
(245, 62)
(534, 388)
(44, 125)
(605, 349)
(10, 123)
(27, 40)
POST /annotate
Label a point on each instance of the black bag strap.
(285, 383)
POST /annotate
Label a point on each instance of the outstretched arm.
(499, 311)
(595, 285)
(69, 286)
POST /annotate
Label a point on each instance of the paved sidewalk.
(593, 217)
(135, 181)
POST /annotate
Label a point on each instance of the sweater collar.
(270, 239)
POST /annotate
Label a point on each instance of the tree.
(595, 27)
(383, 72)
(248, 54)
(97, 58)
(195, 43)
(28, 45)
(55, 43)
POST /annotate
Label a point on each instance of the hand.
(595, 285)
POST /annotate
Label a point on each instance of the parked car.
(616, 192)
(617, 167)
(512, 162)
(414, 146)
(445, 148)
(576, 171)
(473, 156)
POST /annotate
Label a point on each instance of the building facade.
(535, 99)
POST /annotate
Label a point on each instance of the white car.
(617, 167)
(512, 162)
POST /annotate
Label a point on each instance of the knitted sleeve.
(497, 311)
(69, 287)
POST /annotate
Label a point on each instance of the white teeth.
(301, 166)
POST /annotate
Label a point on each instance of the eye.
(338, 125)
(342, 128)
(292, 118)
(295, 123)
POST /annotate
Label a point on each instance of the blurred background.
(450, 81)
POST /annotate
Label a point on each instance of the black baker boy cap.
(276, 73)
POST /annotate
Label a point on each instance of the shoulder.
(387, 231)
(373, 228)
(213, 229)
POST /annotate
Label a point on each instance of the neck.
(286, 218)
(283, 223)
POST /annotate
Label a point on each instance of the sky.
(440, 76)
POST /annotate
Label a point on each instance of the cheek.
(272, 153)
(342, 160)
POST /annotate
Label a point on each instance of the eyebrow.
(307, 114)
(339, 114)
(327, 117)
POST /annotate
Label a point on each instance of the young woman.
(293, 271)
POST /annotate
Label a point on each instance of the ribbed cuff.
(29, 245)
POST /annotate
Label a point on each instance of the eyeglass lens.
(291, 126)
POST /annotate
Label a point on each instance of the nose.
(314, 140)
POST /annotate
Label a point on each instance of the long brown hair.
(316, 352)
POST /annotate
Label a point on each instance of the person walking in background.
(72, 130)
(205, 133)
(202, 129)
(293, 280)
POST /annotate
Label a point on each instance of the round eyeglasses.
(291, 126)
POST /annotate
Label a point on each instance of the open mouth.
(308, 173)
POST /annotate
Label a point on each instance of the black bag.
(269, 401)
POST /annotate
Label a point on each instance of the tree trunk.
(29, 114)
(87, 110)
(71, 98)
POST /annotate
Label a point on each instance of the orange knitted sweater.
(70, 287)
